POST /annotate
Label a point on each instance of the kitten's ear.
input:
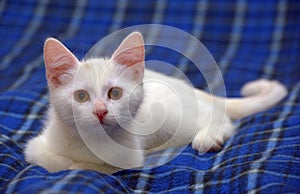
(59, 62)
(131, 53)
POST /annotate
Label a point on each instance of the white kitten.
(105, 112)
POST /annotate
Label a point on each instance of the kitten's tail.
(259, 96)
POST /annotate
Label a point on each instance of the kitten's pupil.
(81, 96)
(115, 93)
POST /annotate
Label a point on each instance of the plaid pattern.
(249, 39)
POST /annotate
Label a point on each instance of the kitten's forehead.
(87, 65)
(96, 72)
(99, 74)
(94, 69)
(95, 63)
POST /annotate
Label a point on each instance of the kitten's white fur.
(162, 112)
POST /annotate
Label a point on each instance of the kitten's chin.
(107, 124)
(103, 124)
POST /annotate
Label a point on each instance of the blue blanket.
(249, 40)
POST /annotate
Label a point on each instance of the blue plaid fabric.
(249, 40)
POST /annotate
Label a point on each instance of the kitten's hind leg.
(212, 137)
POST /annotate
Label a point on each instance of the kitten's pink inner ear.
(58, 60)
(131, 51)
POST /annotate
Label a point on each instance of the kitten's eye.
(115, 93)
(81, 96)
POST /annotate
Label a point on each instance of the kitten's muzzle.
(100, 110)
(101, 115)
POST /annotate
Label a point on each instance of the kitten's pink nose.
(100, 110)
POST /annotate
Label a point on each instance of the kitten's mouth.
(101, 115)
(101, 121)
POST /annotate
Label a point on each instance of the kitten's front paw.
(204, 142)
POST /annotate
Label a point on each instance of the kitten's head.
(96, 91)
